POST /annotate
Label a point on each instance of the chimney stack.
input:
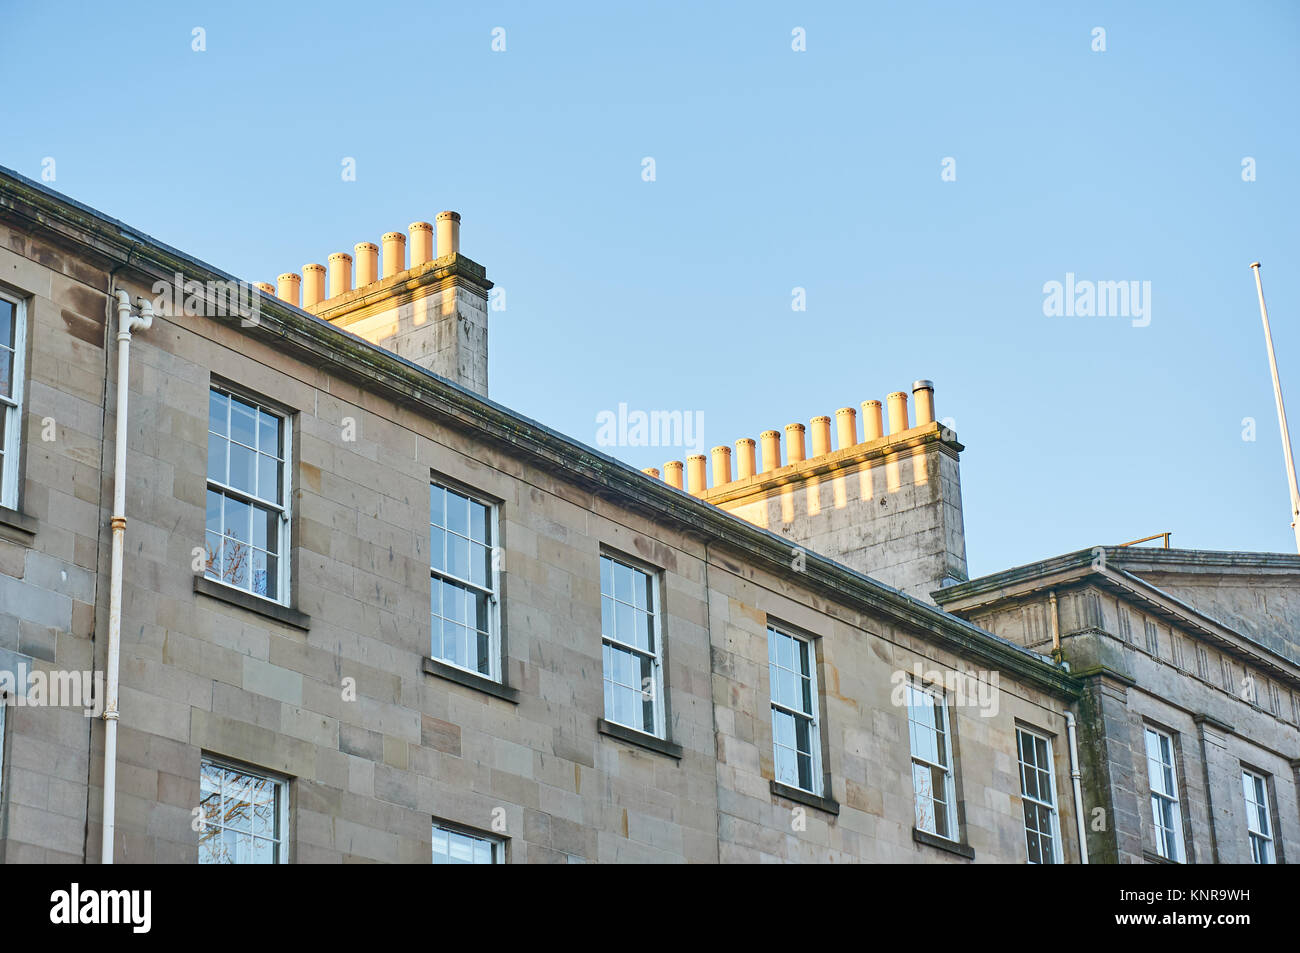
(651, 471)
(394, 253)
(340, 273)
(265, 288)
(887, 505)
(448, 234)
(435, 317)
(421, 243)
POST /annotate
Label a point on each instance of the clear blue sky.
(775, 169)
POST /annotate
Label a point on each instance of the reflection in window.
(1258, 823)
(630, 649)
(247, 508)
(463, 585)
(796, 739)
(243, 816)
(932, 780)
(1038, 796)
(12, 352)
(454, 847)
(1167, 819)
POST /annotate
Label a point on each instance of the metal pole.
(1281, 411)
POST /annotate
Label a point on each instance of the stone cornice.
(403, 287)
(850, 459)
(1102, 566)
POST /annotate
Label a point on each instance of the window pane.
(480, 562)
(478, 520)
(268, 434)
(458, 556)
(212, 557)
(437, 548)
(435, 625)
(243, 422)
(213, 513)
(436, 503)
(268, 478)
(218, 409)
(457, 514)
(217, 458)
(243, 468)
(238, 519)
(235, 559)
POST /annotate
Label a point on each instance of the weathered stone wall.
(49, 548)
(1223, 713)
(370, 774)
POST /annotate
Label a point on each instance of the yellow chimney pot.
(367, 263)
(744, 458)
(313, 285)
(421, 243)
(846, 427)
(897, 412)
(340, 273)
(289, 285)
(394, 253)
(448, 233)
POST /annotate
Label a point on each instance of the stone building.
(1190, 664)
(369, 615)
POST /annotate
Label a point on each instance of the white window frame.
(12, 407)
(950, 784)
(657, 657)
(284, 506)
(495, 661)
(496, 845)
(280, 781)
(1051, 806)
(813, 717)
(1262, 847)
(1174, 850)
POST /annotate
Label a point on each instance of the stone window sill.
(1151, 857)
(246, 600)
(801, 796)
(17, 525)
(942, 843)
(470, 680)
(639, 738)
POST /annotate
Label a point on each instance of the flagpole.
(1281, 410)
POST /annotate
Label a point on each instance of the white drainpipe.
(1078, 790)
(126, 323)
